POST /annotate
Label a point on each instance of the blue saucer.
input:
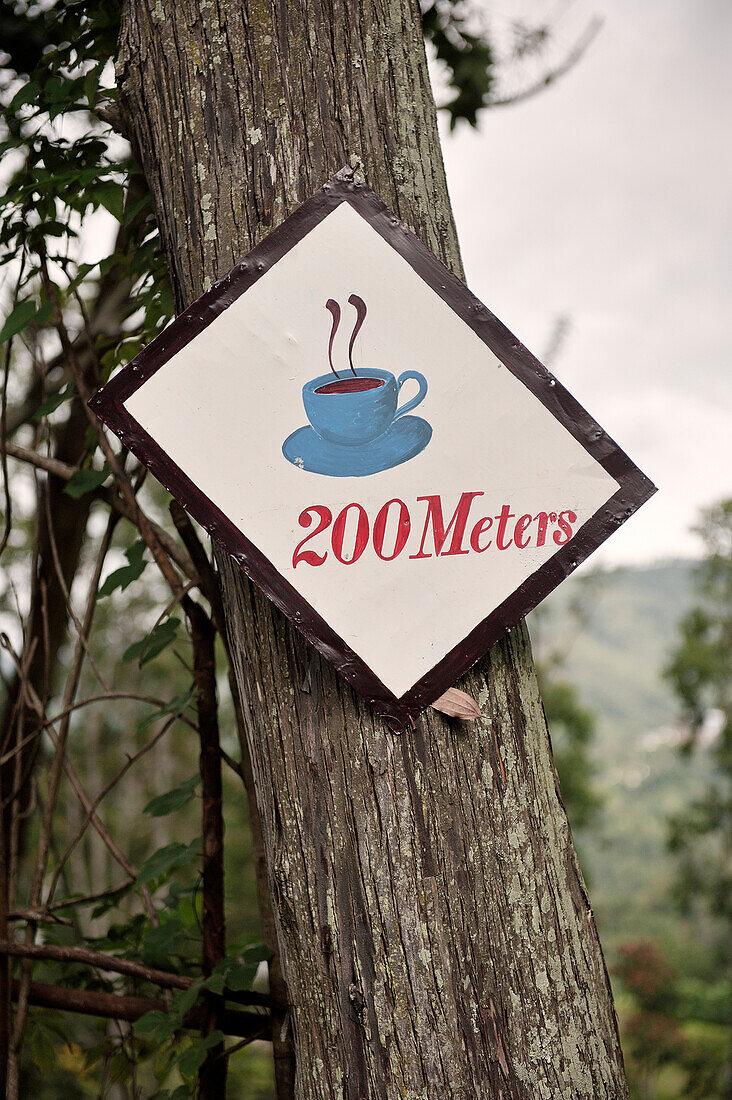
(405, 438)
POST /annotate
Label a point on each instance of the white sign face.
(346, 418)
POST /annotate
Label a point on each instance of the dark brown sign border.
(635, 488)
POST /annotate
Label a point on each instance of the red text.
(437, 532)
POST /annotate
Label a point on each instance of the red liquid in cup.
(351, 385)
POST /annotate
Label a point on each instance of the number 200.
(324, 517)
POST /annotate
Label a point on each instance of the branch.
(43, 462)
(116, 1006)
(209, 583)
(212, 1074)
(113, 965)
(38, 916)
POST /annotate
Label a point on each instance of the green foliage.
(65, 162)
(186, 1055)
(468, 57)
(156, 641)
(175, 799)
(123, 577)
(654, 1036)
(700, 672)
(572, 726)
(176, 706)
(86, 480)
(572, 729)
(53, 402)
(165, 860)
(236, 972)
(162, 943)
(18, 319)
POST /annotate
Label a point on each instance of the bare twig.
(58, 764)
(65, 471)
(113, 519)
(88, 899)
(90, 811)
(123, 482)
(104, 698)
(101, 829)
(35, 458)
(553, 75)
(231, 763)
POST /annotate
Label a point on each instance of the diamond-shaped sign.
(382, 457)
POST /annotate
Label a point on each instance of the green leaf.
(191, 1061)
(256, 953)
(184, 1001)
(27, 94)
(162, 942)
(189, 906)
(84, 481)
(216, 983)
(110, 195)
(212, 1039)
(154, 1025)
(55, 89)
(120, 1068)
(20, 317)
(168, 859)
(175, 706)
(123, 577)
(173, 800)
(43, 1047)
(52, 403)
(81, 273)
(44, 313)
(153, 644)
(241, 975)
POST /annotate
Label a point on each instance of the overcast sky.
(607, 199)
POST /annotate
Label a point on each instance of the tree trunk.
(436, 937)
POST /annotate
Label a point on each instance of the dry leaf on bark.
(457, 704)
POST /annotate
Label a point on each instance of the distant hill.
(615, 630)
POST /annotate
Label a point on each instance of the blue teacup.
(352, 411)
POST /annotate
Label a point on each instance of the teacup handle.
(415, 400)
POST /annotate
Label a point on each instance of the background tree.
(652, 1034)
(700, 671)
(571, 724)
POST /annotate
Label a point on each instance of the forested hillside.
(610, 632)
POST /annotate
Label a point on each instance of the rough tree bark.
(436, 935)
